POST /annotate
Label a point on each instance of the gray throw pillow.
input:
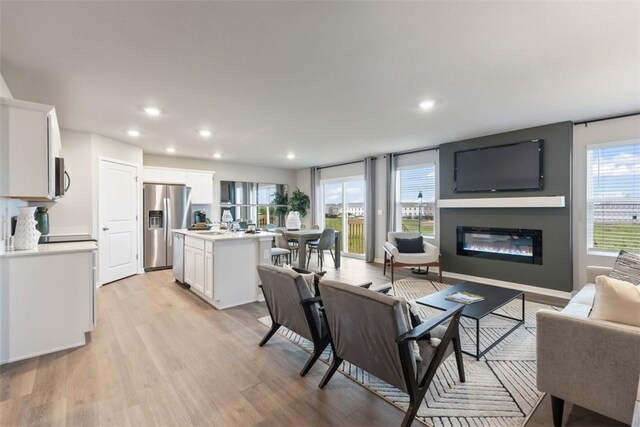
(626, 268)
(410, 246)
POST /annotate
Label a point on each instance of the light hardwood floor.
(161, 356)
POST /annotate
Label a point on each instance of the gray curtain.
(315, 193)
(391, 166)
(370, 208)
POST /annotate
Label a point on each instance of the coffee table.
(494, 298)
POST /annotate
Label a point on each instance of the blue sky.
(615, 171)
(354, 192)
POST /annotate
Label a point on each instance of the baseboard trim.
(48, 351)
(511, 285)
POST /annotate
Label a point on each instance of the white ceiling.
(330, 81)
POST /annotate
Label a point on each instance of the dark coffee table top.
(494, 298)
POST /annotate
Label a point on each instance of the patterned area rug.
(501, 387)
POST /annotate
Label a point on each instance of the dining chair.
(325, 242)
(280, 248)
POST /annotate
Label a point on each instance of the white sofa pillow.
(616, 301)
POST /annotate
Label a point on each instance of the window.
(266, 211)
(413, 215)
(613, 197)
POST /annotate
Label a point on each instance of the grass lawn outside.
(409, 224)
(616, 236)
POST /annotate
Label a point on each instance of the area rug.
(501, 387)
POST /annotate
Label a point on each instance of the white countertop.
(225, 235)
(53, 248)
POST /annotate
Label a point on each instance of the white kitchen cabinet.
(29, 145)
(153, 175)
(48, 299)
(189, 265)
(194, 274)
(208, 274)
(201, 184)
(173, 176)
(230, 277)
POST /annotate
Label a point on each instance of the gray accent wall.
(556, 269)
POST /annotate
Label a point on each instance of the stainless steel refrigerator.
(166, 208)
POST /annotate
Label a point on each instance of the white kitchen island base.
(47, 299)
(221, 267)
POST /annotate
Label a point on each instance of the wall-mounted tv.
(511, 167)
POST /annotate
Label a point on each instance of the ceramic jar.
(26, 236)
(293, 221)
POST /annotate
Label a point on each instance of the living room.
(502, 137)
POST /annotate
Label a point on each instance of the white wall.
(226, 172)
(606, 131)
(73, 214)
(4, 89)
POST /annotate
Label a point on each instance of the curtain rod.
(586, 122)
(421, 150)
(339, 164)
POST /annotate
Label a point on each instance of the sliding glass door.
(343, 202)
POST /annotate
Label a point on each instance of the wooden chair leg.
(557, 407)
(457, 348)
(412, 410)
(335, 364)
(317, 352)
(440, 268)
(384, 265)
(391, 266)
(274, 328)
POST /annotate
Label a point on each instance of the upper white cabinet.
(201, 182)
(201, 187)
(29, 144)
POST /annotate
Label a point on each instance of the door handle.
(105, 228)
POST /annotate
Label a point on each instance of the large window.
(613, 197)
(344, 211)
(415, 214)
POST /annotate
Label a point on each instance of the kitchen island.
(220, 266)
(47, 299)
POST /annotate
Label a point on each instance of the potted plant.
(299, 202)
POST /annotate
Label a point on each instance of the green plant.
(299, 202)
(282, 200)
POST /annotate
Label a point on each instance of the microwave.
(63, 181)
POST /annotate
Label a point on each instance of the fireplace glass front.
(507, 244)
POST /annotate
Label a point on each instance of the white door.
(117, 207)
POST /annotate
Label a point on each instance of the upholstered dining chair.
(325, 242)
(430, 257)
(372, 331)
(292, 304)
(281, 248)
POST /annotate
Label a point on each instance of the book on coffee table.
(464, 297)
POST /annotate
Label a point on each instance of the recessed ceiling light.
(133, 132)
(205, 133)
(427, 104)
(152, 111)
(291, 156)
(217, 156)
(171, 150)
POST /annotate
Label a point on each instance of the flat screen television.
(511, 167)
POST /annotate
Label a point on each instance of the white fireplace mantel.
(505, 202)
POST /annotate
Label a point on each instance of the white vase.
(293, 221)
(27, 235)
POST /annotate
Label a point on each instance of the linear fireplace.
(507, 244)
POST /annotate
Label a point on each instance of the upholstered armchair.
(372, 331)
(292, 304)
(429, 258)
